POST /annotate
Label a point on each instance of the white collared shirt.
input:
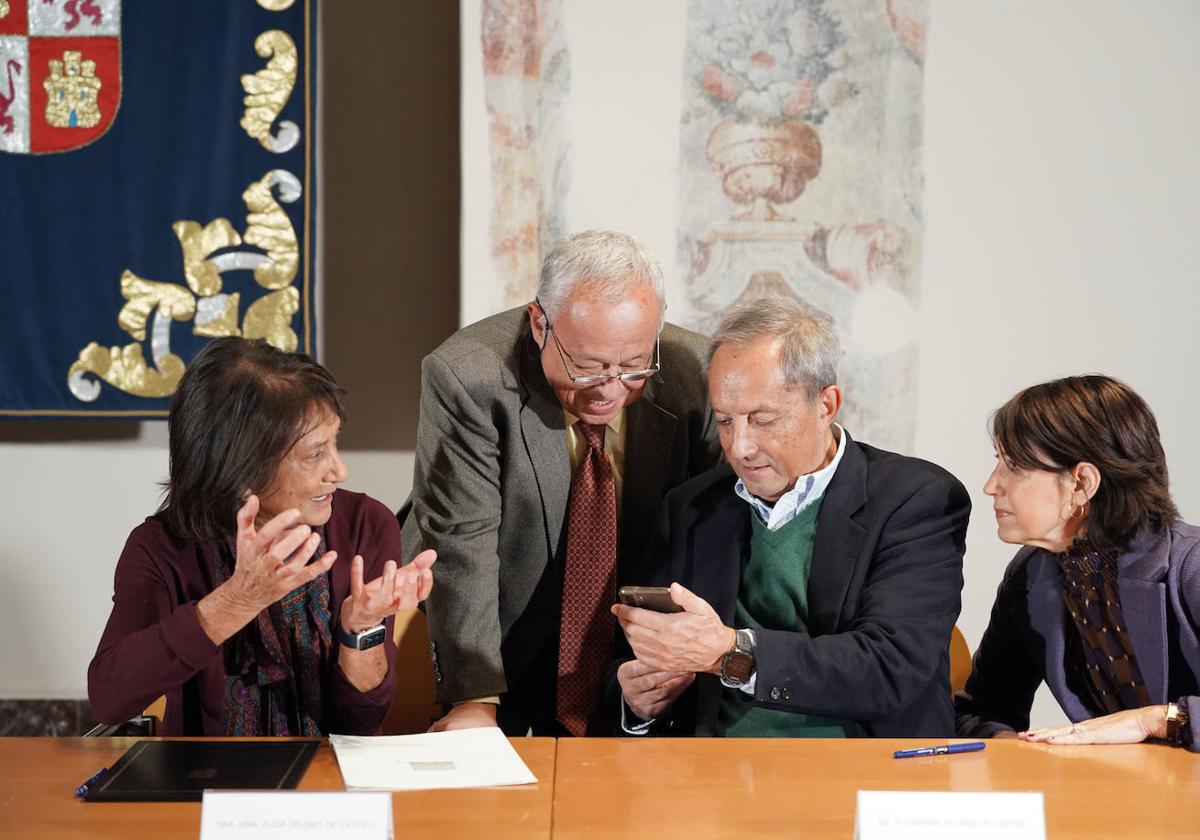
(809, 488)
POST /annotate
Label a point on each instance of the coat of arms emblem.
(60, 73)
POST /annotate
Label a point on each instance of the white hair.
(610, 264)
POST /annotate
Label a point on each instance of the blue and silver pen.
(86, 786)
(945, 749)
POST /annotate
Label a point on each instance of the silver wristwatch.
(737, 666)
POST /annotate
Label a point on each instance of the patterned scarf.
(1099, 653)
(275, 665)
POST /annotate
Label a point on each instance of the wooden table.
(38, 777)
(756, 788)
(662, 788)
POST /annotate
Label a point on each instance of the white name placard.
(940, 815)
(295, 815)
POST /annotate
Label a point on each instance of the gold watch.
(1178, 728)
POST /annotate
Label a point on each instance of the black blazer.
(883, 595)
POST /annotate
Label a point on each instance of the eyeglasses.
(598, 378)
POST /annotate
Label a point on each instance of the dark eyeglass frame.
(600, 378)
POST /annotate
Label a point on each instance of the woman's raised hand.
(273, 560)
(398, 588)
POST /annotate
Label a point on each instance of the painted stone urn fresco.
(766, 68)
(800, 176)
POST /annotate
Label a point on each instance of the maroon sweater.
(154, 645)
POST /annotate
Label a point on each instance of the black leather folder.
(180, 771)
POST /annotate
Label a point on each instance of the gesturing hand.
(273, 560)
(648, 692)
(693, 640)
(398, 588)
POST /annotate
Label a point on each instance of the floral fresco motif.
(526, 80)
(800, 175)
(764, 61)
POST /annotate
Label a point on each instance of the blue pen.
(946, 749)
(86, 786)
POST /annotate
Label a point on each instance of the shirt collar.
(614, 425)
(809, 488)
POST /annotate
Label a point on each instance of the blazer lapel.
(1141, 577)
(724, 532)
(543, 428)
(1047, 619)
(649, 432)
(837, 546)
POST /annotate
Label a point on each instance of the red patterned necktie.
(586, 629)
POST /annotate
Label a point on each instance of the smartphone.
(657, 598)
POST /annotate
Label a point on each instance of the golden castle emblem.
(73, 91)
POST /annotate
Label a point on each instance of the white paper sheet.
(457, 759)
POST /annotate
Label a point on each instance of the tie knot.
(592, 434)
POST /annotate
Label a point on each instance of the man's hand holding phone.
(657, 598)
(693, 639)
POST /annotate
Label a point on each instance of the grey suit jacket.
(1158, 580)
(490, 491)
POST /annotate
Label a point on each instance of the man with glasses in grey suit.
(548, 436)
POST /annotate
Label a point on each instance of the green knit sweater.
(773, 595)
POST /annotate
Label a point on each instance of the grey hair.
(609, 263)
(810, 348)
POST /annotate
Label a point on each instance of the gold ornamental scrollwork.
(4, 10)
(197, 243)
(124, 368)
(147, 296)
(268, 91)
(269, 228)
(270, 317)
(206, 252)
(268, 247)
(220, 316)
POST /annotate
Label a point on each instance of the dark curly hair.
(1056, 425)
(239, 409)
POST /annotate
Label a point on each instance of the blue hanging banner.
(156, 191)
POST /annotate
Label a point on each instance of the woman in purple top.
(1103, 601)
(243, 598)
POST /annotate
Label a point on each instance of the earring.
(1078, 512)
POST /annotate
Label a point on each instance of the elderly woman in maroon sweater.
(243, 598)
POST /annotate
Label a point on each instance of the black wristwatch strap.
(363, 639)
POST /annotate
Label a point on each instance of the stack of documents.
(457, 759)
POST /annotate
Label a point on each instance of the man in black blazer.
(819, 577)
(498, 455)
